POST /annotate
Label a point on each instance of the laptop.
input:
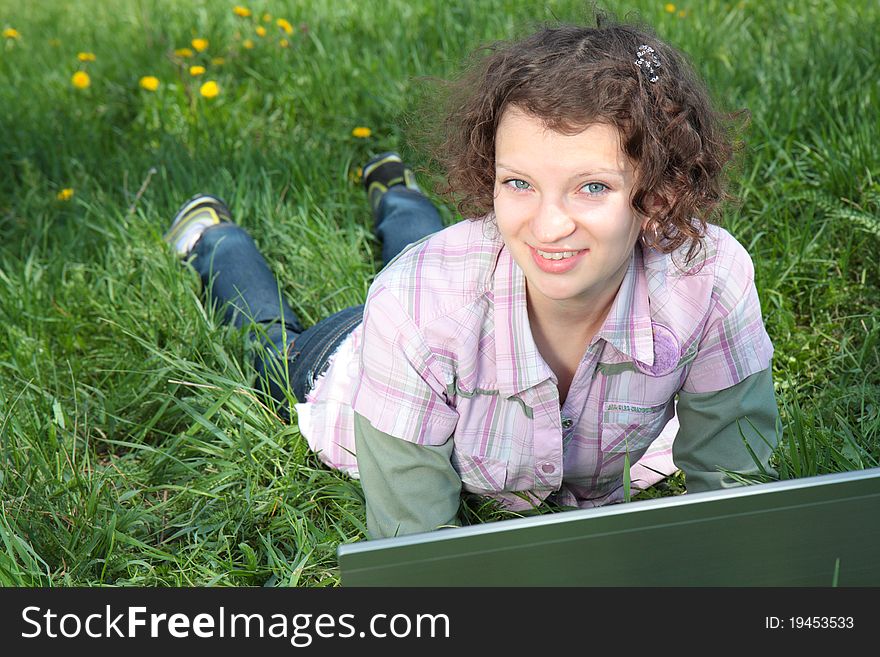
(815, 531)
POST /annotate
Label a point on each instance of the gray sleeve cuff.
(408, 488)
(734, 429)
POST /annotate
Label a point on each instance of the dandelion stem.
(143, 188)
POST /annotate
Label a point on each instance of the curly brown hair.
(572, 76)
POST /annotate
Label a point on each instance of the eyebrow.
(583, 174)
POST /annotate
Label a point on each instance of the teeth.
(556, 256)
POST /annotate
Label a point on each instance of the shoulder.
(720, 256)
(716, 278)
(442, 273)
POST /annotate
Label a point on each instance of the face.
(562, 204)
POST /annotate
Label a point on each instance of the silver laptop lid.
(814, 531)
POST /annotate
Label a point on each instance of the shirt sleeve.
(716, 427)
(401, 389)
(408, 488)
(734, 343)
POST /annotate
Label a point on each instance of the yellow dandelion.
(248, 44)
(200, 45)
(81, 80)
(210, 89)
(669, 7)
(86, 56)
(284, 25)
(267, 18)
(65, 194)
(261, 31)
(361, 132)
(682, 13)
(356, 175)
(218, 61)
(284, 43)
(11, 33)
(196, 70)
(241, 12)
(183, 52)
(149, 82)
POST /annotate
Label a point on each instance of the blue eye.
(595, 187)
(516, 183)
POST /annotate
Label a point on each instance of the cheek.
(507, 216)
(617, 226)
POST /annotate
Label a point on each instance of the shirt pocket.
(632, 429)
(480, 474)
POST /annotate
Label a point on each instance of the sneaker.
(384, 171)
(200, 212)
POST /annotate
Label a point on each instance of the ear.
(655, 204)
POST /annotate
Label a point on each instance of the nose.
(551, 222)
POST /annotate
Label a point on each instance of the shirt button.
(566, 423)
(548, 468)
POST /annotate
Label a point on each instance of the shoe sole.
(214, 204)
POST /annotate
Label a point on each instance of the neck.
(577, 318)
(563, 332)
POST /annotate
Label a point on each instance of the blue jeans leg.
(404, 216)
(238, 281)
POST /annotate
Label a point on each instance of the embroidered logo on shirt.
(667, 352)
(614, 407)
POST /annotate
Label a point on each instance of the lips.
(556, 262)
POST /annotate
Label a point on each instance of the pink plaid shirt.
(446, 350)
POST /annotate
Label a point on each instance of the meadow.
(133, 450)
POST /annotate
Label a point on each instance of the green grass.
(132, 448)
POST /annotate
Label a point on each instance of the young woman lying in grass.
(550, 348)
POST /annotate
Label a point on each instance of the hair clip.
(648, 60)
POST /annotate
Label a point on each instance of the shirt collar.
(628, 326)
(519, 364)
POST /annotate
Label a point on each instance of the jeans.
(238, 280)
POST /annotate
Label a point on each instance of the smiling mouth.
(556, 255)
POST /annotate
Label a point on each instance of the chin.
(558, 292)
